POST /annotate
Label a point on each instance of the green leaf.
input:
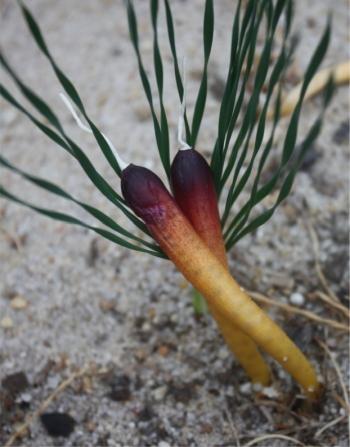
(70, 146)
(208, 33)
(179, 84)
(234, 108)
(249, 119)
(199, 304)
(287, 169)
(46, 130)
(160, 137)
(158, 68)
(199, 108)
(34, 99)
(312, 68)
(230, 161)
(234, 191)
(289, 178)
(74, 221)
(217, 159)
(70, 89)
(57, 190)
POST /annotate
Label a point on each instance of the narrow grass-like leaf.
(217, 161)
(158, 68)
(228, 161)
(156, 52)
(178, 79)
(244, 52)
(34, 99)
(57, 190)
(289, 178)
(146, 85)
(208, 33)
(74, 221)
(253, 17)
(280, 5)
(249, 119)
(68, 144)
(241, 44)
(70, 89)
(259, 194)
(313, 66)
(289, 16)
(46, 130)
(234, 191)
(247, 52)
(256, 195)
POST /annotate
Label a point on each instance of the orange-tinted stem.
(147, 196)
(194, 191)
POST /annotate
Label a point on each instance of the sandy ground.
(158, 374)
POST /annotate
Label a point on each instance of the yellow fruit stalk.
(194, 192)
(150, 200)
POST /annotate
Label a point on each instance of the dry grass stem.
(234, 430)
(316, 248)
(329, 425)
(305, 313)
(272, 436)
(340, 73)
(337, 370)
(24, 427)
(336, 305)
(340, 400)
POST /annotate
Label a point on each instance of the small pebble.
(146, 327)
(26, 397)
(297, 299)
(6, 323)
(15, 383)
(246, 389)
(159, 393)
(206, 428)
(223, 353)
(58, 424)
(270, 392)
(120, 388)
(53, 382)
(19, 303)
(163, 350)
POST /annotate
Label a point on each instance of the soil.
(158, 374)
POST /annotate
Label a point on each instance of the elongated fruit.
(194, 191)
(147, 196)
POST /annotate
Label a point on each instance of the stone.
(297, 299)
(15, 383)
(19, 303)
(6, 323)
(159, 393)
(58, 424)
